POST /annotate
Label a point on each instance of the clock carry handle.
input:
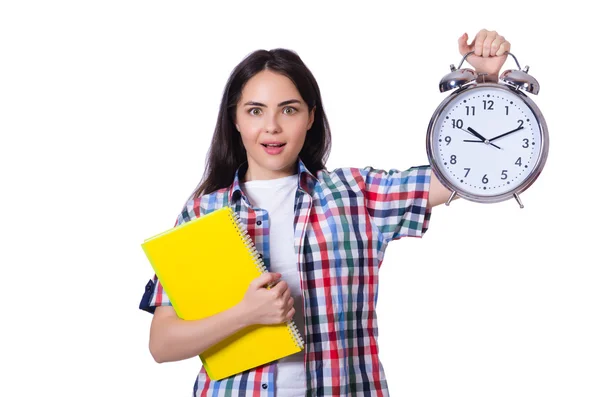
(472, 52)
(519, 79)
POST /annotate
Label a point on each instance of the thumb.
(264, 279)
(463, 47)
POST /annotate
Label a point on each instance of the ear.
(234, 120)
(311, 118)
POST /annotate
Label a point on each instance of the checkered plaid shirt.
(344, 220)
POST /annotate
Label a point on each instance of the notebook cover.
(205, 266)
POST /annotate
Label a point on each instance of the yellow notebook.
(205, 266)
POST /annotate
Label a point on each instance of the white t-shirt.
(277, 197)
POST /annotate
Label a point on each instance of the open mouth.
(273, 145)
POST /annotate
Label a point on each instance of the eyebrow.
(290, 101)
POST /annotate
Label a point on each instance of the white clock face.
(486, 141)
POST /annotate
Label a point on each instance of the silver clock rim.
(519, 188)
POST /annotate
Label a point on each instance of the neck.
(255, 173)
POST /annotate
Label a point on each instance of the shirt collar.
(306, 181)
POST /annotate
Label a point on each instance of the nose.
(272, 124)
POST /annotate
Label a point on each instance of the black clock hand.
(478, 135)
(489, 143)
(506, 133)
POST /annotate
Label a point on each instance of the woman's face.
(272, 120)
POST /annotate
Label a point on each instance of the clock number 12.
(488, 105)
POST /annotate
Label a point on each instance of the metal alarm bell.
(520, 80)
(457, 78)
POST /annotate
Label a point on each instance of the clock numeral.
(448, 140)
(468, 169)
(457, 123)
(484, 179)
(518, 162)
(453, 159)
(488, 105)
(506, 110)
(520, 123)
(526, 143)
(504, 174)
(472, 110)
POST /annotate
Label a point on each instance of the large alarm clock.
(487, 141)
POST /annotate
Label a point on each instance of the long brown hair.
(227, 151)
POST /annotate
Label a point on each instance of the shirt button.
(259, 223)
(264, 386)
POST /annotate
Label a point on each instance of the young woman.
(321, 233)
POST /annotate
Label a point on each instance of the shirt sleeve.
(397, 200)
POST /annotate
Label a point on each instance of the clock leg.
(451, 197)
(518, 200)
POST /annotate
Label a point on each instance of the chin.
(278, 165)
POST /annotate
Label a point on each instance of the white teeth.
(274, 144)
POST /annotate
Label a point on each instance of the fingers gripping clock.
(487, 142)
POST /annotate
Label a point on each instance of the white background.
(106, 112)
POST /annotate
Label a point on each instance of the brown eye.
(289, 110)
(254, 111)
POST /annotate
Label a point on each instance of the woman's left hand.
(491, 50)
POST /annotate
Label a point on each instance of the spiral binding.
(243, 233)
(295, 334)
(260, 265)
